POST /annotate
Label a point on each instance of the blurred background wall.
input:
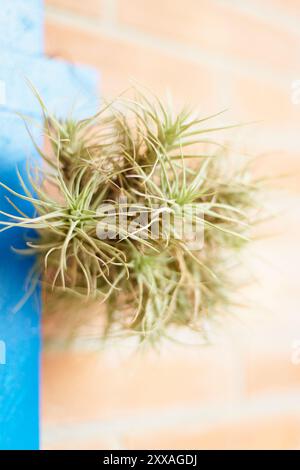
(243, 390)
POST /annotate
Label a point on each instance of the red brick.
(121, 61)
(217, 28)
(272, 374)
(264, 102)
(81, 387)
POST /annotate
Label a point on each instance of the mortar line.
(110, 9)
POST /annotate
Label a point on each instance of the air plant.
(136, 156)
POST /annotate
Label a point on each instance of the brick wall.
(243, 391)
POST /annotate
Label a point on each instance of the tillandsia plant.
(137, 209)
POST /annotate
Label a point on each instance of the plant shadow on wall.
(140, 216)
